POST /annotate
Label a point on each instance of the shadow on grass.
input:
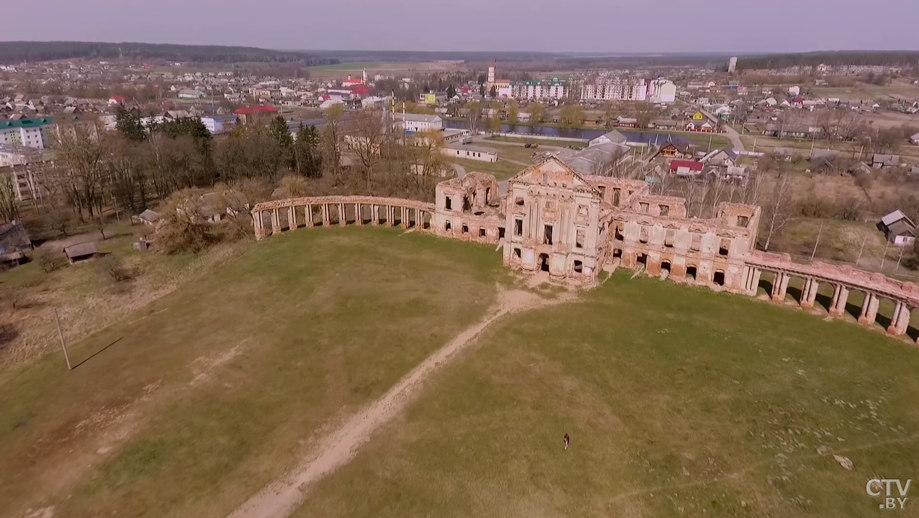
(97, 353)
(796, 293)
(825, 301)
(766, 285)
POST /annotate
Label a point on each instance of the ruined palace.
(556, 220)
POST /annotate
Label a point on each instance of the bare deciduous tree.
(779, 209)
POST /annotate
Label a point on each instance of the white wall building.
(662, 91)
(616, 89)
(483, 154)
(414, 122)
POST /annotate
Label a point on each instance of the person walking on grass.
(567, 441)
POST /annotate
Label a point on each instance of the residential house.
(614, 137)
(218, 123)
(726, 157)
(147, 217)
(675, 150)
(898, 228)
(665, 124)
(14, 240)
(191, 94)
(879, 161)
(686, 168)
(914, 140)
(703, 126)
(626, 122)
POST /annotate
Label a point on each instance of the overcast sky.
(479, 25)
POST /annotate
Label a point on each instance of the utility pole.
(60, 334)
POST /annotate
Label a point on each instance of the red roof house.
(259, 108)
(686, 167)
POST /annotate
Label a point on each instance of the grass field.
(194, 403)
(897, 89)
(502, 169)
(678, 401)
(540, 142)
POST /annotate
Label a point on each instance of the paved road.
(729, 132)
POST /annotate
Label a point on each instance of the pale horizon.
(593, 26)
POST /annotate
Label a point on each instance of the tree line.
(30, 51)
(812, 59)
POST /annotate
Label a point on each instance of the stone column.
(309, 216)
(778, 294)
(900, 320)
(404, 217)
(390, 216)
(812, 293)
(325, 215)
(869, 309)
(257, 224)
(358, 214)
(275, 222)
(754, 284)
(292, 218)
(342, 215)
(374, 215)
(840, 299)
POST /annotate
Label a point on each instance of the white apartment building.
(616, 90)
(553, 89)
(26, 132)
(661, 91)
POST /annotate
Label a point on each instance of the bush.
(48, 260)
(112, 268)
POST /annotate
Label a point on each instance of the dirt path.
(282, 497)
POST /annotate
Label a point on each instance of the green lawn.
(540, 142)
(678, 401)
(502, 169)
(191, 405)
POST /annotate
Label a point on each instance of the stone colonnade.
(873, 293)
(341, 210)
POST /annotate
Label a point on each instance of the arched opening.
(642, 259)
(617, 253)
(719, 278)
(447, 226)
(691, 272)
(665, 266)
(578, 266)
(544, 262)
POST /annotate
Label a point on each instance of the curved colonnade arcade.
(273, 217)
(579, 235)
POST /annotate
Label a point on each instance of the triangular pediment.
(553, 173)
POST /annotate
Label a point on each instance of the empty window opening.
(696, 242)
(519, 202)
(743, 221)
(579, 238)
(643, 235)
(465, 229)
(466, 205)
(619, 236)
(691, 272)
(617, 253)
(643, 207)
(602, 190)
(447, 226)
(665, 266)
(547, 235)
(518, 227)
(719, 278)
(578, 266)
(449, 203)
(643, 259)
(665, 210)
(725, 247)
(481, 232)
(669, 238)
(500, 232)
(616, 195)
(544, 262)
(517, 253)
